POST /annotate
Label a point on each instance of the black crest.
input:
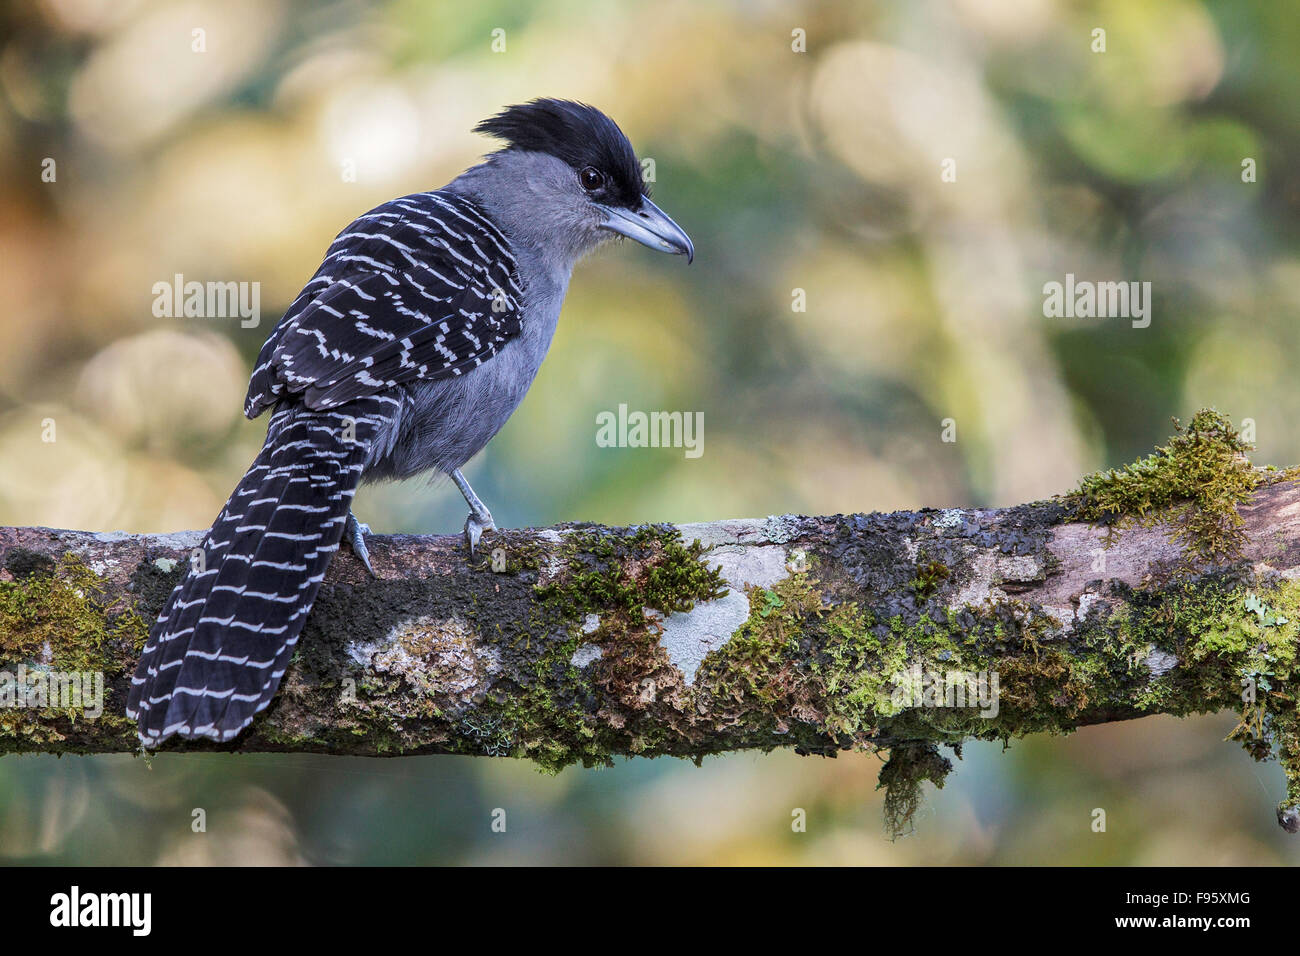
(580, 135)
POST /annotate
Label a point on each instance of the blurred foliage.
(818, 171)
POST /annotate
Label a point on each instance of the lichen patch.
(586, 654)
(690, 636)
(760, 567)
(439, 658)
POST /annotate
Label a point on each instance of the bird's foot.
(355, 532)
(480, 519)
(475, 525)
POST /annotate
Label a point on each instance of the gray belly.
(446, 422)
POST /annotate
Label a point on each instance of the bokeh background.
(818, 171)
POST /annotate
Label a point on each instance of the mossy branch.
(1168, 587)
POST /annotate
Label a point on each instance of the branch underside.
(906, 631)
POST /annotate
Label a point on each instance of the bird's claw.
(475, 525)
(356, 533)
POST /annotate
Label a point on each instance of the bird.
(406, 352)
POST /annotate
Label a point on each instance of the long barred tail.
(216, 655)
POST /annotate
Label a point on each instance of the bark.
(582, 643)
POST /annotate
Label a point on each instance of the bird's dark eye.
(591, 178)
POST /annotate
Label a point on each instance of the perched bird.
(407, 351)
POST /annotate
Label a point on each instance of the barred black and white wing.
(420, 288)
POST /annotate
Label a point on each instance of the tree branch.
(583, 643)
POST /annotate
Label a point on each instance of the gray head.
(566, 181)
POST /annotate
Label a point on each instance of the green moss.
(807, 671)
(833, 670)
(64, 619)
(856, 666)
(901, 777)
(928, 578)
(59, 616)
(546, 714)
(1196, 482)
(832, 664)
(755, 665)
(1237, 645)
(544, 718)
(650, 566)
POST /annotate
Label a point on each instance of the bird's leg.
(355, 532)
(480, 519)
